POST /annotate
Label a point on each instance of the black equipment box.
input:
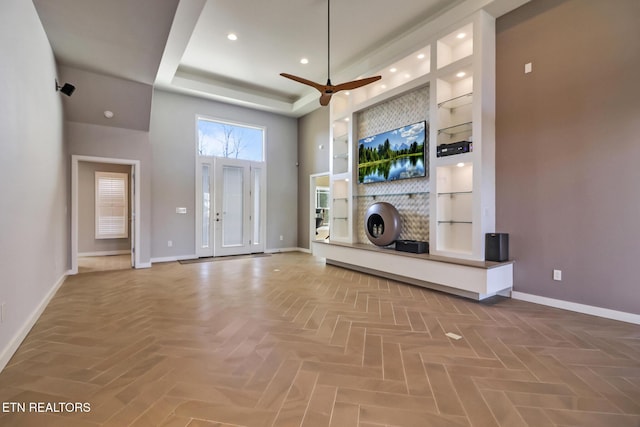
(412, 246)
(496, 247)
(454, 148)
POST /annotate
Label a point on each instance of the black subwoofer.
(412, 246)
(496, 247)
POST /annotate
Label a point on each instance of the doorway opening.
(105, 207)
(319, 207)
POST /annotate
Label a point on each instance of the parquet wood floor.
(93, 264)
(287, 341)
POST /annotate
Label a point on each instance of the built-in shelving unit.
(341, 149)
(454, 223)
(463, 103)
(458, 64)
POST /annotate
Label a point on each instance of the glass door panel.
(232, 206)
(204, 206)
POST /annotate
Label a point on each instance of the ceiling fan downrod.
(329, 89)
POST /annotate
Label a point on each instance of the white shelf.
(457, 101)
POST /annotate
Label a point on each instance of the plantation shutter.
(112, 208)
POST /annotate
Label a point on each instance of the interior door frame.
(136, 178)
(312, 203)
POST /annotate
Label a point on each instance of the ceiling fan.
(329, 89)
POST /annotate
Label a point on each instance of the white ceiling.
(274, 35)
(182, 45)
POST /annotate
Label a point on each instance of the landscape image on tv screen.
(392, 155)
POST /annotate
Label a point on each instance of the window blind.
(112, 210)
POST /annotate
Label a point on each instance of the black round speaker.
(382, 223)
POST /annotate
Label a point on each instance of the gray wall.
(102, 141)
(567, 149)
(87, 243)
(313, 131)
(129, 101)
(173, 141)
(33, 170)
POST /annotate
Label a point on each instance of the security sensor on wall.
(66, 88)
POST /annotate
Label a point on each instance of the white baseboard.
(106, 253)
(20, 335)
(305, 250)
(143, 265)
(278, 250)
(579, 308)
(173, 258)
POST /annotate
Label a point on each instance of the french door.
(231, 205)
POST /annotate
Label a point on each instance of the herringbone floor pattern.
(288, 341)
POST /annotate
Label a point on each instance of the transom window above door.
(232, 140)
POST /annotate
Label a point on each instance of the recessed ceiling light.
(346, 119)
(304, 61)
(461, 74)
(383, 86)
(108, 114)
(461, 35)
(393, 70)
(232, 37)
(347, 93)
(421, 56)
(407, 76)
(460, 165)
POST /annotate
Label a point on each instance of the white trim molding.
(106, 253)
(579, 308)
(278, 250)
(135, 238)
(173, 258)
(7, 353)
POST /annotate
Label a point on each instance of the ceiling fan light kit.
(328, 89)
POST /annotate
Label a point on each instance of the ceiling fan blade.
(356, 83)
(324, 99)
(304, 81)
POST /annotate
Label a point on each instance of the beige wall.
(87, 243)
(567, 149)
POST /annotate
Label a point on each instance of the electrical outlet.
(528, 67)
(281, 237)
(170, 243)
(557, 275)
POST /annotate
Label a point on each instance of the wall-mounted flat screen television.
(392, 155)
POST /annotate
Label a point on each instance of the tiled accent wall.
(409, 196)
